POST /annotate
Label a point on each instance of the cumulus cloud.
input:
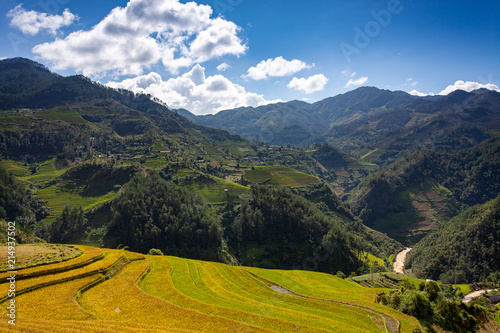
(311, 84)
(357, 82)
(32, 22)
(222, 67)
(468, 86)
(459, 85)
(142, 34)
(275, 67)
(194, 91)
(418, 93)
(217, 40)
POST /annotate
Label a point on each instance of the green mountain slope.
(298, 123)
(75, 116)
(122, 168)
(411, 197)
(465, 248)
(369, 119)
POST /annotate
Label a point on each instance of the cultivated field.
(105, 290)
(34, 255)
(279, 176)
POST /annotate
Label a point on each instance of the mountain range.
(367, 118)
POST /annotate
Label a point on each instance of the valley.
(226, 228)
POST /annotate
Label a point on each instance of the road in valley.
(399, 263)
(475, 294)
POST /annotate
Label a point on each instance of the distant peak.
(481, 91)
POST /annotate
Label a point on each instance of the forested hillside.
(17, 203)
(153, 213)
(414, 195)
(465, 249)
(280, 229)
(77, 117)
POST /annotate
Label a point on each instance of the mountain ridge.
(302, 124)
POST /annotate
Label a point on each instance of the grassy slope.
(57, 198)
(226, 290)
(180, 295)
(417, 211)
(325, 286)
(279, 176)
(58, 195)
(215, 192)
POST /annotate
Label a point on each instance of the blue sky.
(217, 54)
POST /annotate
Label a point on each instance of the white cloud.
(411, 82)
(222, 67)
(275, 67)
(143, 33)
(194, 91)
(355, 83)
(418, 93)
(32, 22)
(347, 72)
(218, 39)
(468, 86)
(311, 84)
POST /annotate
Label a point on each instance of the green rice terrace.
(279, 176)
(104, 290)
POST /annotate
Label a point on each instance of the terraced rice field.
(36, 254)
(89, 254)
(106, 290)
(279, 176)
(57, 198)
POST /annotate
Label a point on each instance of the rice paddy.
(105, 290)
(36, 254)
(89, 254)
(279, 176)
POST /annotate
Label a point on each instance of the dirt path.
(399, 263)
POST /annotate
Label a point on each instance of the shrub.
(155, 252)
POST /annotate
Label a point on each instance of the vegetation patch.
(28, 255)
(257, 175)
(26, 285)
(233, 293)
(89, 255)
(279, 176)
(219, 190)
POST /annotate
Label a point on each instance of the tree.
(151, 212)
(68, 225)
